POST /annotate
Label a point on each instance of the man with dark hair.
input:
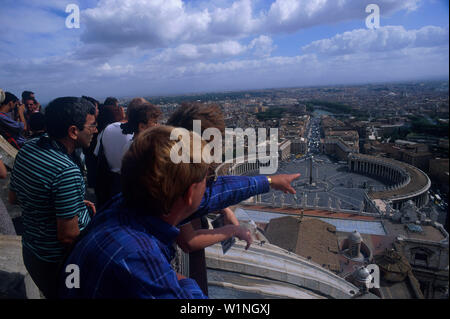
(50, 190)
(10, 129)
(126, 250)
(31, 104)
(27, 95)
(31, 107)
(94, 102)
(111, 101)
(90, 159)
(141, 117)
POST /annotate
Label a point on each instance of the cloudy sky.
(157, 47)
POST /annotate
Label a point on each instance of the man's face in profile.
(85, 135)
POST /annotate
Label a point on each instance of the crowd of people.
(124, 242)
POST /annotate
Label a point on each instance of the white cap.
(2, 96)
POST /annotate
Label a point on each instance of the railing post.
(197, 262)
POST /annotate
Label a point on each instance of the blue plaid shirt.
(227, 191)
(125, 253)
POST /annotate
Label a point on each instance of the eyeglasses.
(91, 127)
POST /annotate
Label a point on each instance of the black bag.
(107, 183)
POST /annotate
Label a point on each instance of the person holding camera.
(10, 129)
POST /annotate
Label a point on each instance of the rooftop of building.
(343, 134)
(311, 238)
(321, 243)
(428, 232)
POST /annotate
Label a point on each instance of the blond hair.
(150, 179)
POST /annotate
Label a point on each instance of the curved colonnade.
(407, 182)
(242, 166)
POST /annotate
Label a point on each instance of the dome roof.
(362, 274)
(355, 237)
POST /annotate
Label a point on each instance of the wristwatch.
(269, 180)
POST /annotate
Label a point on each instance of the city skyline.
(136, 48)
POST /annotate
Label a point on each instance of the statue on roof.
(316, 200)
(409, 213)
(396, 216)
(388, 209)
(305, 200)
(433, 214)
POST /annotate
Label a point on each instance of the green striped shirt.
(49, 185)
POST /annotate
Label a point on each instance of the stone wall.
(15, 282)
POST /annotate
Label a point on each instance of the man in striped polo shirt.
(50, 189)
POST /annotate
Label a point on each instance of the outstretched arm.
(283, 182)
(230, 190)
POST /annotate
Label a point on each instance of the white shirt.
(114, 142)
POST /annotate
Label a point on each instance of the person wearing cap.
(2, 96)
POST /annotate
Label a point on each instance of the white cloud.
(191, 52)
(262, 46)
(150, 47)
(115, 70)
(234, 21)
(156, 23)
(384, 39)
(167, 23)
(293, 15)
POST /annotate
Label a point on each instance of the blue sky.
(156, 47)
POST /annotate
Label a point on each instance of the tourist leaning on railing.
(49, 187)
(126, 250)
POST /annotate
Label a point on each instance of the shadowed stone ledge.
(15, 282)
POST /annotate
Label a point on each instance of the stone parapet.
(15, 282)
